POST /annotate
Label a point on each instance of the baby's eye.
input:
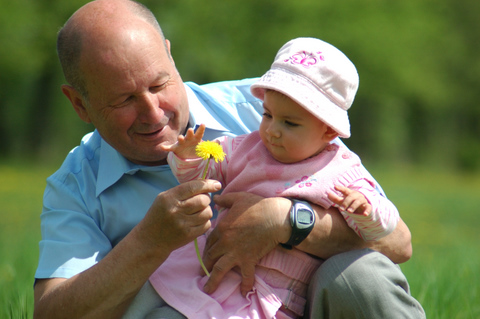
(291, 124)
(267, 115)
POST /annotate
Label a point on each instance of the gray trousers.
(356, 284)
(361, 284)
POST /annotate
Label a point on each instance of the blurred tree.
(417, 61)
(30, 77)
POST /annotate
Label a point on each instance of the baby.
(295, 154)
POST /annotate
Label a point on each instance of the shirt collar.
(198, 113)
(113, 165)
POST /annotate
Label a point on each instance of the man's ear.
(168, 44)
(77, 102)
(168, 47)
(330, 134)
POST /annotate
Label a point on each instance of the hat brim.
(304, 92)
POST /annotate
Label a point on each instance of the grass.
(21, 192)
(439, 207)
(441, 211)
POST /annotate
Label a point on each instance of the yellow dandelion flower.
(207, 150)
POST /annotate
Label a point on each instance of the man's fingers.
(221, 267)
(195, 187)
(209, 256)
(248, 279)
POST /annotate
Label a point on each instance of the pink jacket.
(282, 276)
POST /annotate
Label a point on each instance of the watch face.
(304, 217)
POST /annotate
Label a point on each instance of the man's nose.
(150, 110)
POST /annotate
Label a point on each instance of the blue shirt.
(97, 196)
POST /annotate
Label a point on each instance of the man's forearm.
(103, 291)
(332, 236)
(397, 246)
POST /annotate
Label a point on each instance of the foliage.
(417, 61)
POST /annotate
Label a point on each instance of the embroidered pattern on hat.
(305, 59)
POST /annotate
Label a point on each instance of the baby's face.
(289, 132)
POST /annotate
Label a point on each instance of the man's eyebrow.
(162, 75)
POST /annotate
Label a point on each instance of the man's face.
(136, 98)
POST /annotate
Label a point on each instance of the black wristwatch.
(302, 219)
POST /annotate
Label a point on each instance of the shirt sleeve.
(72, 240)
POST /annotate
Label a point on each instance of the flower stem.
(196, 242)
(205, 170)
(200, 258)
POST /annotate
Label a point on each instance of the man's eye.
(128, 99)
(158, 88)
(124, 101)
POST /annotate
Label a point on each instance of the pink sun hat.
(316, 75)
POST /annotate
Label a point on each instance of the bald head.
(95, 25)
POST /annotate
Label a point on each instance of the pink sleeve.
(185, 169)
(383, 218)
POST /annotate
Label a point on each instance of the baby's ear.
(330, 134)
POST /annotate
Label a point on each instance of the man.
(113, 212)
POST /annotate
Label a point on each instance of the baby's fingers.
(167, 147)
(193, 138)
(351, 204)
(335, 198)
(200, 131)
(357, 204)
(189, 136)
(364, 209)
(344, 190)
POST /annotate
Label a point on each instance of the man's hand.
(251, 228)
(178, 215)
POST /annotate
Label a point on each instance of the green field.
(440, 209)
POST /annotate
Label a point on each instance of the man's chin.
(154, 158)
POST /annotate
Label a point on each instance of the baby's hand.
(185, 146)
(352, 201)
